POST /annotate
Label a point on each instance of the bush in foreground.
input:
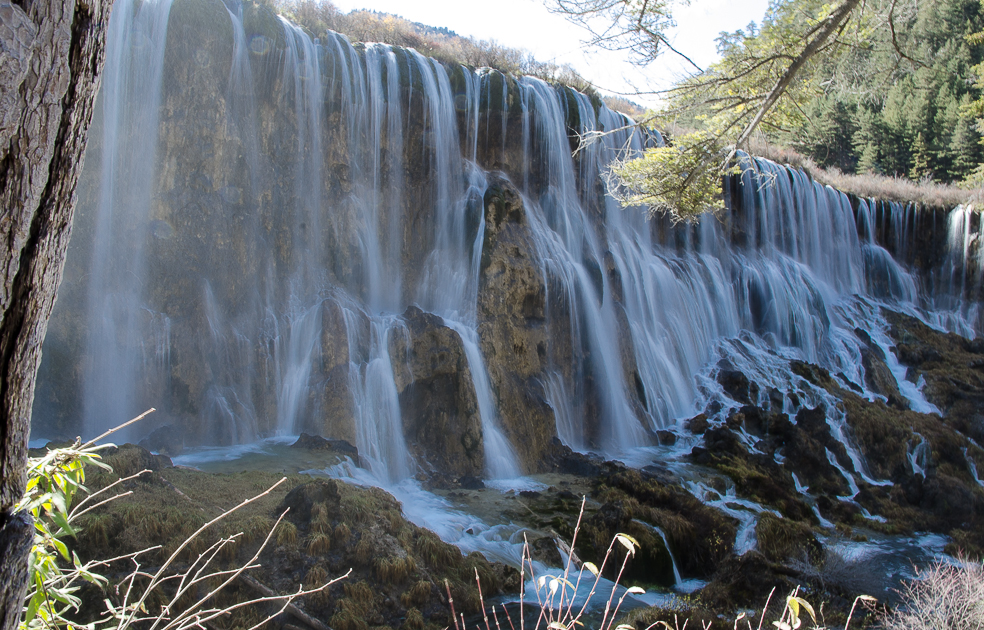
(943, 596)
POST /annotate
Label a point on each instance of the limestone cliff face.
(291, 193)
(512, 322)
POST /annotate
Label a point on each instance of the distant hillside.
(898, 104)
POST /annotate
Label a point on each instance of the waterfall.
(130, 99)
(236, 190)
(379, 434)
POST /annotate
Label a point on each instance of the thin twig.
(201, 529)
(93, 441)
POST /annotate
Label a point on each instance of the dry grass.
(368, 26)
(871, 185)
(417, 595)
(320, 544)
(342, 534)
(624, 106)
(287, 534)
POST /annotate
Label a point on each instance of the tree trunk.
(51, 54)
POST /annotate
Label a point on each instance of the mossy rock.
(334, 527)
(780, 539)
(699, 536)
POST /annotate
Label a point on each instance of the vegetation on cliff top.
(319, 16)
(894, 99)
(885, 88)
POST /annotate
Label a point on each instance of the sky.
(529, 25)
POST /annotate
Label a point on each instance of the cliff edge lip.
(873, 186)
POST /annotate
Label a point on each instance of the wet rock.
(651, 561)
(719, 441)
(879, 379)
(944, 361)
(512, 324)
(744, 580)
(916, 354)
(773, 425)
(737, 385)
(471, 482)
(775, 398)
(334, 340)
(560, 458)
(437, 396)
(614, 278)
(807, 449)
(812, 373)
(167, 440)
(755, 475)
(698, 424)
(666, 438)
(318, 443)
(700, 536)
(335, 406)
(659, 473)
(544, 549)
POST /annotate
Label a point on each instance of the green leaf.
(32, 608)
(62, 522)
(62, 549)
(58, 501)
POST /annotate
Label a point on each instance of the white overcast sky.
(528, 24)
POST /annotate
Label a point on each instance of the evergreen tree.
(866, 142)
(920, 159)
(916, 82)
(965, 147)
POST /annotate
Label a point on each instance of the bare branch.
(895, 39)
(93, 441)
(829, 25)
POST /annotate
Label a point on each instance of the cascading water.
(249, 252)
(130, 100)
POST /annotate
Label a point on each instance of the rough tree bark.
(51, 55)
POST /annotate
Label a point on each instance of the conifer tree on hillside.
(853, 85)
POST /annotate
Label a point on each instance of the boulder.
(166, 440)
(737, 385)
(318, 443)
(302, 499)
(441, 419)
